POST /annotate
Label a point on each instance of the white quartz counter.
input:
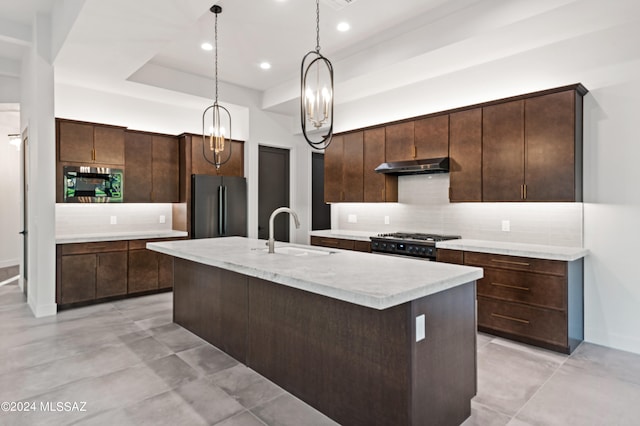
(373, 280)
(116, 236)
(344, 234)
(536, 251)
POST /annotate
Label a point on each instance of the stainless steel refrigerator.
(218, 206)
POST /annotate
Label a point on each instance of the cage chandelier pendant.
(214, 137)
(316, 101)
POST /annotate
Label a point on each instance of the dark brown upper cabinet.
(152, 164)
(200, 166)
(503, 152)
(399, 144)
(378, 187)
(431, 137)
(465, 156)
(343, 173)
(87, 143)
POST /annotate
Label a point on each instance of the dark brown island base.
(413, 363)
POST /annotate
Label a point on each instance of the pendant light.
(316, 92)
(216, 119)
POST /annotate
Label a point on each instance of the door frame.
(23, 282)
(292, 228)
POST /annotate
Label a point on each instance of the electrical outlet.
(163, 219)
(114, 220)
(506, 226)
(352, 218)
(386, 220)
(420, 328)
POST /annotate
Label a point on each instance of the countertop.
(343, 234)
(371, 280)
(117, 236)
(536, 251)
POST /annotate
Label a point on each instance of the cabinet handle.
(525, 191)
(522, 192)
(510, 262)
(413, 150)
(93, 154)
(382, 194)
(515, 287)
(521, 321)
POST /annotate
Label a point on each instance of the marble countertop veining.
(372, 280)
(537, 251)
(117, 236)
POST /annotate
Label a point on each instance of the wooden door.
(165, 169)
(503, 152)
(78, 278)
(111, 274)
(75, 142)
(550, 166)
(273, 191)
(378, 187)
(143, 271)
(320, 211)
(352, 171)
(432, 137)
(108, 145)
(465, 151)
(333, 159)
(138, 170)
(399, 144)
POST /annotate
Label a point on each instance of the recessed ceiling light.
(344, 26)
(206, 46)
(265, 65)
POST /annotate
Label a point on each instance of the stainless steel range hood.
(414, 167)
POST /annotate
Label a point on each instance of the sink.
(298, 251)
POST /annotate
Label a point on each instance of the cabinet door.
(399, 144)
(137, 182)
(200, 166)
(432, 137)
(165, 164)
(465, 150)
(78, 278)
(550, 147)
(75, 142)
(143, 271)
(108, 143)
(165, 271)
(373, 156)
(333, 159)
(503, 152)
(111, 273)
(352, 171)
(235, 165)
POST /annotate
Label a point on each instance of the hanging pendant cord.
(317, 25)
(216, 57)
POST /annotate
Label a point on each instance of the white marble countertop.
(373, 280)
(116, 236)
(344, 234)
(536, 251)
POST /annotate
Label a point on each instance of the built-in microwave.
(92, 184)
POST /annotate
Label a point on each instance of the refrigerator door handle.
(221, 208)
(224, 216)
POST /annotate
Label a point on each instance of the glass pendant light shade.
(216, 119)
(316, 94)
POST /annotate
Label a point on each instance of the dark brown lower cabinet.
(165, 271)
(357, 365)
(143, 271)
(111, 274)
(78, 278)
(535, 301)
(341, 243)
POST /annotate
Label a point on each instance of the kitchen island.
(367, 339)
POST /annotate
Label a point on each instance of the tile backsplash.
(423, 206)
(83, 219)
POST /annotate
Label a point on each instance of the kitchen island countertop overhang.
(370, 280)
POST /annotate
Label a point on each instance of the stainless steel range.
(409, 244)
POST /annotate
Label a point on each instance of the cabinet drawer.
(534, 289)
(99, 247)
(333, 242)
(552, 267)
(364, 246)
(527, 321)
(450, 256)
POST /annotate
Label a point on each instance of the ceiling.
(123, 45)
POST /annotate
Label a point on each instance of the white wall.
(606, 63)
(10, 158)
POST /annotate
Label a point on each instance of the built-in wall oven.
(413, 244)
(84, 184)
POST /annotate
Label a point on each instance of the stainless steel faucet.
(272, 241)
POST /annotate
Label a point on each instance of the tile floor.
(133, 366)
